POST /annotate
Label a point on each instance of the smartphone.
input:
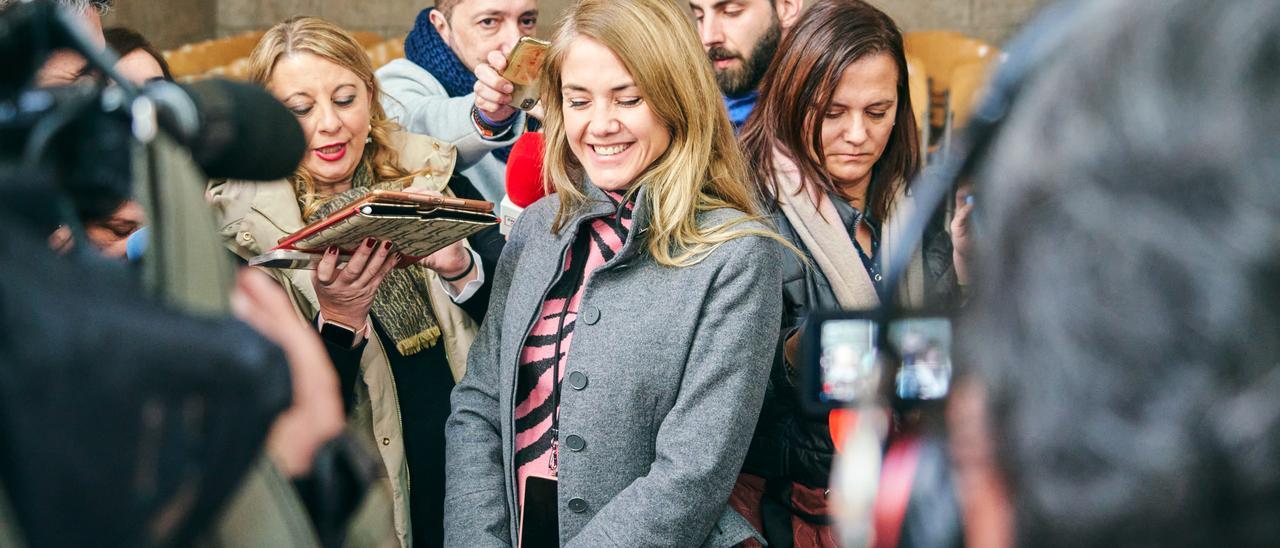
(524, 71)
(292, 259)
(539, 515)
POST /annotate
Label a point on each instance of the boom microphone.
(524, 178)
(234, 130)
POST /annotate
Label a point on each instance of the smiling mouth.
(610, 150)
(332, 153)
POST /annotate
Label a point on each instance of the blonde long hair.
(328, 41)
(701, 170)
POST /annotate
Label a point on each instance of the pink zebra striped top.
(598, 241)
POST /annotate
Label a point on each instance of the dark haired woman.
(109, 221)
(140, 62)
(833, 146)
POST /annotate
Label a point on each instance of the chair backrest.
(201, 57)
(918, 86)
(367, 39)
(395, 48)
(183, 61)
(227, 50)
(943, 50)
(967, 84)
(386, 51)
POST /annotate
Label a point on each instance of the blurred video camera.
(859, 357)
(83, 137)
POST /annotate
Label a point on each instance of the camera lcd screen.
(848, 363)
(848, 359)
(924, 347)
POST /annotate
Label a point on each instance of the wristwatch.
(338, 334)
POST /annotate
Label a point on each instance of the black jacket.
(788, 443)
(115, 410)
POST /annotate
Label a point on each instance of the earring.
(369, 137)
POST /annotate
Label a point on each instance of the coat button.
(386, 441)
(591, 315)
(575, 443)
(577, 505)
(578, 380)
(246, 236)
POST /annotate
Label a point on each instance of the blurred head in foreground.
(1124, 335)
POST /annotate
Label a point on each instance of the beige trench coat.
(253, 216)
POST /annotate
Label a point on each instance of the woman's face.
(332, 104)
(610, 127)
(110, 235)
(857, 125)
(139, 67)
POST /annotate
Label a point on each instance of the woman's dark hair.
(797, 90)
(124, 41)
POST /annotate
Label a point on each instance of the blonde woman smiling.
(623, 359)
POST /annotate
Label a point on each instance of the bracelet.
(493, 124)
(489, 131)
(471, 265)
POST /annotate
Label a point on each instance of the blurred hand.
(493, 92)
(791, 349)
(345, 292)
(316, 416)
(61, 241)
(962, 234)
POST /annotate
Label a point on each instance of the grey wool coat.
(676, 362)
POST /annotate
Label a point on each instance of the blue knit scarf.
(427, 49)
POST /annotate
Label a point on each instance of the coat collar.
(599, 205)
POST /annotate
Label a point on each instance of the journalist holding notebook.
(399, 336)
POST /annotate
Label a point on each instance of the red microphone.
(524, 178)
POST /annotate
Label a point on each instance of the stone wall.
(173, 22)
(167, 23)
(990, 20)
(388, 17)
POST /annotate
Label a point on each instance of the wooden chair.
(918, 87)
(367, 39)
(377, 55)
(395, 48)
(942, 51)
(968, 82)
(227, 50)
(199, 58)
(385, 52)
(182, 61)
(238, 69)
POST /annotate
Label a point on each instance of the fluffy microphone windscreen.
(245, 133)
(524, 170)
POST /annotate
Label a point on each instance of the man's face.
(740, 37)
(65, 66)
(477, 27)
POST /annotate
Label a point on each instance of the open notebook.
(417, 224)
